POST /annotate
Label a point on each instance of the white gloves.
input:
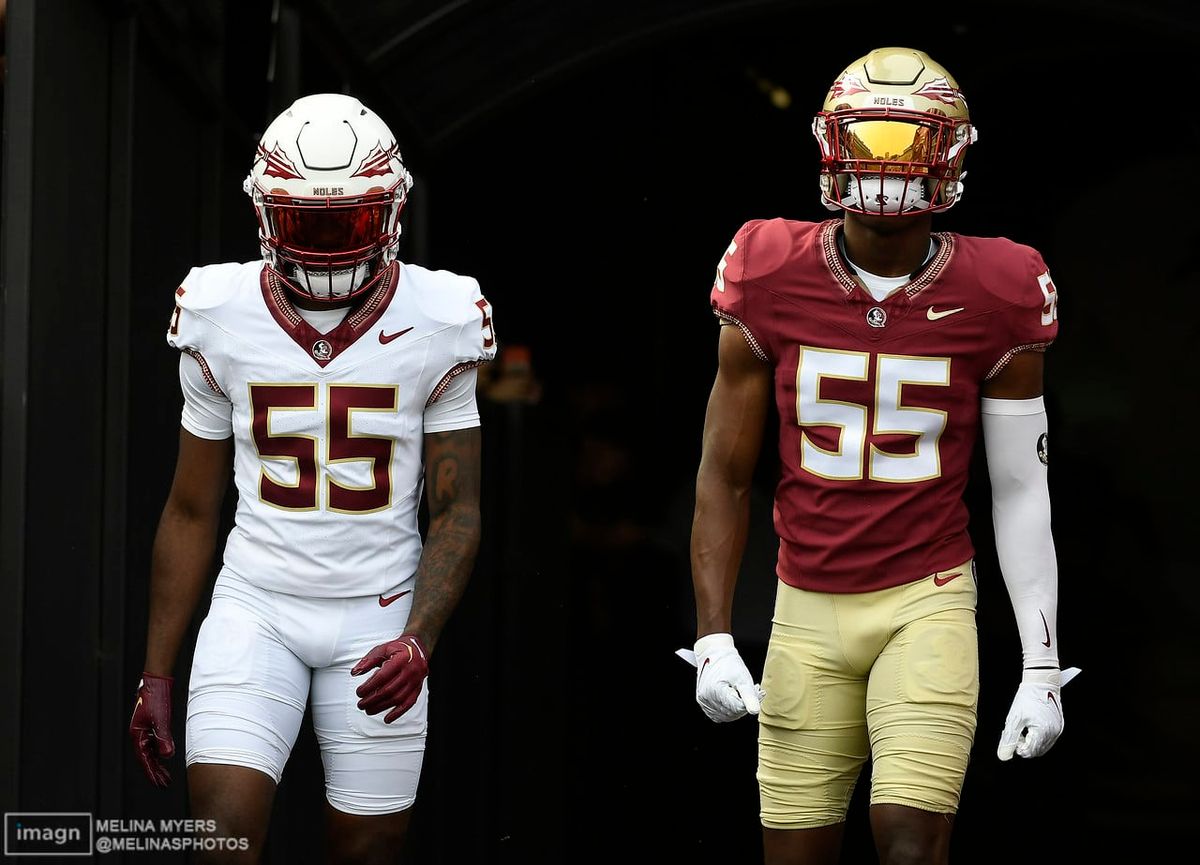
(1035, 720)
(725, 689)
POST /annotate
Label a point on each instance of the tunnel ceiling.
(445, 65)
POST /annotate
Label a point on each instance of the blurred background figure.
(510, 379)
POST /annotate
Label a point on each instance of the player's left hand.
(1035, 720)
(403, 665)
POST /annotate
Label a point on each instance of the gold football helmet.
(893, 133)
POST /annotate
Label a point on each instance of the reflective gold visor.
(888, 141)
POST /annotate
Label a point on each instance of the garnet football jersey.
(878, 401)
(328, 427)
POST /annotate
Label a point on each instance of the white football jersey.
(328, 427)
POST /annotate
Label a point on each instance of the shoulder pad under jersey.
(213, 284)
(451, 299)
(760, 249)
(203, 291)
(1017, 276)
(1002, 266)
(764, 247)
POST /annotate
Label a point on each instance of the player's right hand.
(725, 689)
(150, 727)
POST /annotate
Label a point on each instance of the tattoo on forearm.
(452, 467)
(446, 479)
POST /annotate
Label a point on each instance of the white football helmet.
(328, 185)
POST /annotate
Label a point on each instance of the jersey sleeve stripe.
(206, 371)
(455, 370)
(755, 347)
(1013, 352)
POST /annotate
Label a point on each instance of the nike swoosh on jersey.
(934, 315)
(385, 338)
(941, 581)
(383, 602)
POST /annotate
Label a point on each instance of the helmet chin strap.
(890, 195)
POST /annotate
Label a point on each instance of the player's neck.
(887, 245)
(316, 305)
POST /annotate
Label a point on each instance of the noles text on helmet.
(893, 133)
(328, 186)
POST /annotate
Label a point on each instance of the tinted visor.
(330, 229)
(888, 141)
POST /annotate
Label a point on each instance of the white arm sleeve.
(455, 408)
(206, 414)
(1014, 437)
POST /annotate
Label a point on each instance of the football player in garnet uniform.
(339, 382)
(883, 345)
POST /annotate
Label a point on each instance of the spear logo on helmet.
(278, 164)
(941, 90)
(378, 162)
(847, 85)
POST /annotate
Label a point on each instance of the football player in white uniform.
(340, 382)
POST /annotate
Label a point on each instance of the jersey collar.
(323, 348)
(924, 275)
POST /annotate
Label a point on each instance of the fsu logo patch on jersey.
(322, 350)
(1043, 450)
(876, 316)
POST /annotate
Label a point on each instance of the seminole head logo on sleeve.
(893, 132)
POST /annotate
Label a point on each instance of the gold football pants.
(895, 671)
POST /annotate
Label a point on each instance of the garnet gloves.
(403, 665)
(150, 727)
